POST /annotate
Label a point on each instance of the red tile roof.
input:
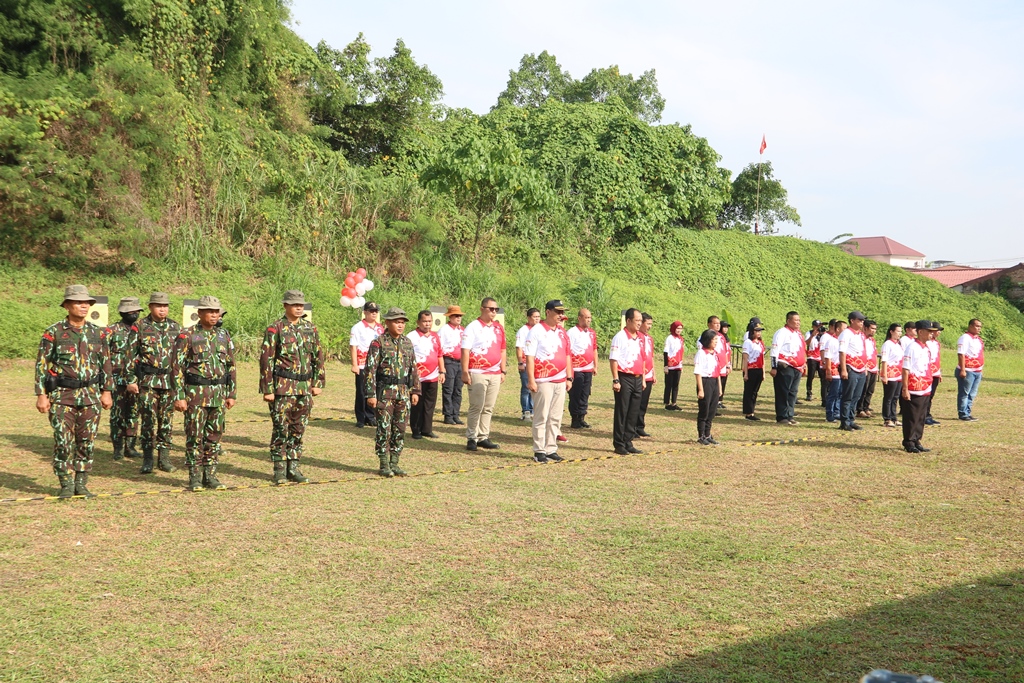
(951, 276)
(878, 246)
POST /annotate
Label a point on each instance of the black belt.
(65, 383)
(291, 375)
(394, 381)
(628, 374)
(144, 369)
(197, 381)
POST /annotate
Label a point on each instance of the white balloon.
(361, 288)
(346, 302)
(358, 302)
(369, 285)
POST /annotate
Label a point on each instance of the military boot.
(67, 485)
(210, 479)
(129, 448)
(147, 460)
(195, 478)
(280, 472)
(81, 479)
(294, 474)
(164, 460)
(118, 449)
(398, 471)
(385, 467)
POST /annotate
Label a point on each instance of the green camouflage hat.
(77, 293)
(294, 296)
(159, 299)
(395, 313)
(209, 303)
(129, 304)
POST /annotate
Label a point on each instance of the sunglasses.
(492, 309)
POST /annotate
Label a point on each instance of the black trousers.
(707, 406)
(627, 409)
(364, 413)
(787, 385)
(914, 412)
(724, 378)
(421, 417)
(451, 392)
(813, 367)
(935, 386)
(672, 386)
(751, 387)
(645, 400)
(869, 392)
(891, 399)
(579, 395)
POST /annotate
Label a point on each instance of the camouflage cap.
(159, 299)
(294, 296)
(129, 304)
(77, 293)
(210, 303)
(395, 313)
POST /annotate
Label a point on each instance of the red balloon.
(361, 272)
(350, 281)
(349, 292)
(359, 278)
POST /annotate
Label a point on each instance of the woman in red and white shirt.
(673, 355)
(890, 372)
(753, 369)
(709, 388)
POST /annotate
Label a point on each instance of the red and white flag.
(764, 145)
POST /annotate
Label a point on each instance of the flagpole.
(757, 199)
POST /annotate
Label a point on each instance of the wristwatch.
(615, 381)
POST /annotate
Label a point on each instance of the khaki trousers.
(483, 394)
(548, 405)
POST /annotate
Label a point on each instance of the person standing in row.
(627, 369)
(124, 413)
(392, 388)
(709, 387)
(646, 323)
(936, 364)
(548, 367)
(204, 387)
(525, 395)
(583, 353)
(724, 351)
(830, 354)
(483, 370)
(970, 359)
(673, 357)
(427, 346)
(363, 332)
(450, 335)
(73, 381)
(813, 346)
(753, 369)
(853, 365)
(891, 373)
(864, 407)
(909, 334)
(917, 388)
(789, 365)
(291, 374)
(150, 347)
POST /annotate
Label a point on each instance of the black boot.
(210, 479)
(195, 478)
(280, 472)
(81, 479)
(147, 460)
(118, 450)
(67, 485)
(294, 474)
(129, 448)
(164, 460)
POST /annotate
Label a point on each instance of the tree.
(741, 211)
(539, 77)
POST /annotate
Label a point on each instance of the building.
(954, 276)
(885, 250)
(1008, 282)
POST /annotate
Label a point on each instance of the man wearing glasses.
(483, 370)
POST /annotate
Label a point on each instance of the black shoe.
(752, 418)
(430, 435)
(855, 427)
(470, 445)
(555, 457)
(417, 436)
(575, 425)
(584, 424)
(458, 421)
(359, 425)
(799, 401)
(540, 457)
(718, 413)
(449, 421)
(621, 451)
(641, 432)
(703, 441)
(845, 427)
(969, 417)
(922, 449)
(371, 423)
(911, 449)
(711, 441)
(634, 450)
(488, 444)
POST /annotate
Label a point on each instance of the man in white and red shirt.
(813, 346)
(483, 369)
(450, 335)
(830, 362)
(525, 396)
(427, 347)
(917, 387)
(646, 323)
(853, 368)
(363, 332)
(864, 407)
(627, 367)
(970, 358)
(549, 369)
(673, 357)
(724, 352)
(789, 364)
(583, 352)
(936, 351)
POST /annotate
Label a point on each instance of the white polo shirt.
(362, 334)
(628, 353)
(973, 350)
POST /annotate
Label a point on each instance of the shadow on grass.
(968, 632)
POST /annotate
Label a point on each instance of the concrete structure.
(885, 250)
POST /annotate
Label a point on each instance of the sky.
(898, 119)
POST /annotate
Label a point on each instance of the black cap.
(856, 315)
(911, 325)
(924, 324)
(937, 326)
(755, 321)
(816, 322)
(554, 305)
(724, 324)
(832, 322)
(370, 306)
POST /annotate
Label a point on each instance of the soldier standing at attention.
(363, 332)
(391, 382)
(73, 375)
(148, 374)
(291, 374)
(204, 388)
(124, 414)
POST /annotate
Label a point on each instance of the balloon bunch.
(356, 286)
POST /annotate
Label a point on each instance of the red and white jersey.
(872, 353)
(451, 340)
(521, 336)
(674, 349)
(892, 356)
(935, 350)
(486, 344)
(362, 334)
(648, 350)
(829, 347)
(754, 348)
(788, 348)
(852, 344)
(627, 351)
(428, 354)
(906, 341)
(724, 352)
(583, 347)
(973, 349)
(917, 362)
(705, 363)
(549, 347)
(813, 346)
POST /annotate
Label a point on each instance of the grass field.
(813, 561)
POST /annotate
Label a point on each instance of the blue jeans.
(966, 391)
(853, 388)
(834, 398)
(525, 398)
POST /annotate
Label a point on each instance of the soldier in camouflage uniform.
(291, 374)
(150, 346)
(204, 386)
(73, 380)
(391, 382)
(124, 415)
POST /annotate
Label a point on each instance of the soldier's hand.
(132, 388)
(372, 402)
(316, 391)
(43, 403)
(181, 405)
(415, 399)
(269, 398)
(106, 400)
(229, 403)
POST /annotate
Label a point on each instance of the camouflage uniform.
(150, 346)
(124, 413)
(392, 378)
(291, 365)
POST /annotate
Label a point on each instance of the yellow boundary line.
(780, 443)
